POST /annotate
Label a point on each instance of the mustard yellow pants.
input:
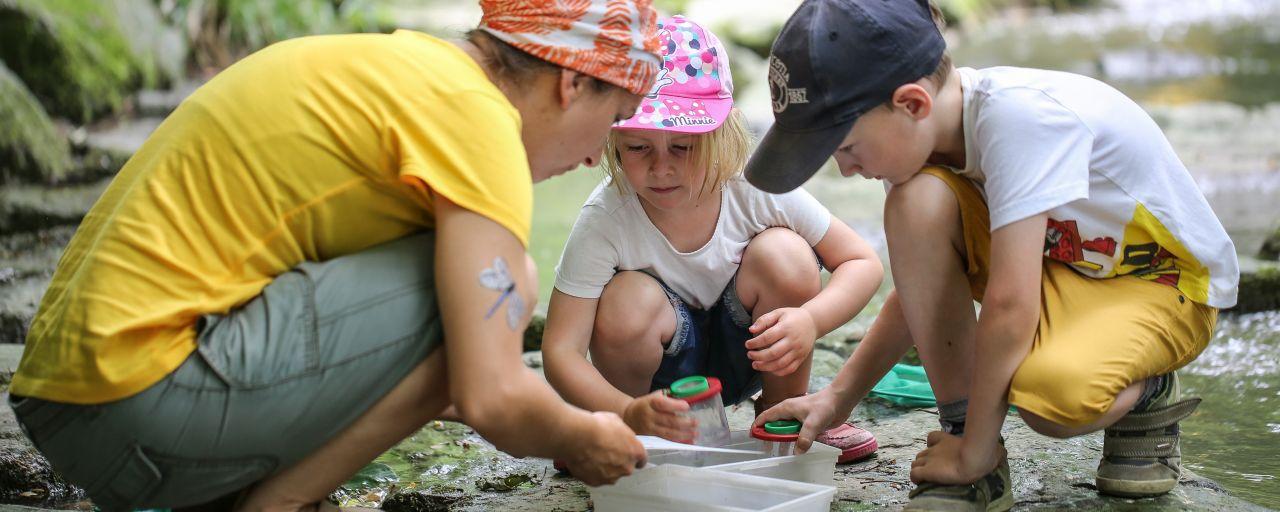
(1096, 336)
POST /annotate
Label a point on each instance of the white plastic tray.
(670, 487)
(817, 466)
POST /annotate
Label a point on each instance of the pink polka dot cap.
(693, 92)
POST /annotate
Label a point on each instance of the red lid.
(713, 389)
(758, 432)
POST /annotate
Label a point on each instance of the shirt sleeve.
(799, 211)
(467, 147)
(590, 259)
(1035, 154)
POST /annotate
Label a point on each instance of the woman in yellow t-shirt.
(250, 312)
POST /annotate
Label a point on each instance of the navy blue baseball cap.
(833, 61)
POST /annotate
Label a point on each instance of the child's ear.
(914, 100)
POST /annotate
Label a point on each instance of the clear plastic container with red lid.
(705, 406)
(779, 436)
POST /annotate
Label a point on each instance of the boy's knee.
(922, 205)
(1060, 393)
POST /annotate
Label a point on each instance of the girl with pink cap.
(677, 266)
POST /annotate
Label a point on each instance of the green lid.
(782, 427)
(689, 386)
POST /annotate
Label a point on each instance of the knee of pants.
(1065, 392)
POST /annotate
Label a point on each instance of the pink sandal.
(854, 443)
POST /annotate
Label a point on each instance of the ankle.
(951, 416)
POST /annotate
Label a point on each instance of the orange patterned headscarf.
(613, 40)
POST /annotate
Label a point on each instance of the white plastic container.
(670, 487)
(817, 466)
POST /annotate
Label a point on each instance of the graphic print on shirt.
(1062, 242)
(1140, 255)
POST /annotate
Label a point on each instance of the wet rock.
(507, 482)
(27, 479)
(82, 59)
(826, 364)
(27, 261)
(31, 149)
(25, 208)
(25, 475)
(434, 500)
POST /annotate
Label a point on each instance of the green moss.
(31, 149)
(69, 53)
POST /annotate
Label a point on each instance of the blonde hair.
(940, 73)
(722, 152)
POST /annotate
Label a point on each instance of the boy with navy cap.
(1049, 197)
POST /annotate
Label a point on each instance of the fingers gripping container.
(671, 487)
(779, 437)
(703, 396)
(816, 466)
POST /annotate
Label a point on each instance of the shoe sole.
(1134, 488)
(858, 452)
(1001, 505)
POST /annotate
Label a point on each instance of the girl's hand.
(817, 413)
(659, 415)
(784, 340)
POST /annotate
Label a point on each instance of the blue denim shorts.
(711, 343)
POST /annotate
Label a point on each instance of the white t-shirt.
(1119, 200)
(613, 234)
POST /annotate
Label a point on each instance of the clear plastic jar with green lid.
(705, 406)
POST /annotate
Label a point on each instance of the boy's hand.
(605, 451)
(947, 461)
(784, 340)
(659, 415)
(817, 412)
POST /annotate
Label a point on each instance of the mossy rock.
(1259, 291)
(83, 59)
(31, 149)
(1271, 246)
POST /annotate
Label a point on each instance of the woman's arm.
(493, 391)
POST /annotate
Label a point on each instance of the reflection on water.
(1163, 51)
(1234, 437)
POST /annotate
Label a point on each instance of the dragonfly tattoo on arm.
(498, 278)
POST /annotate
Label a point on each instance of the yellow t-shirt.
(307, 150)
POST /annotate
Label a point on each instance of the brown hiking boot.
(1140, 453)
(991, 493)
